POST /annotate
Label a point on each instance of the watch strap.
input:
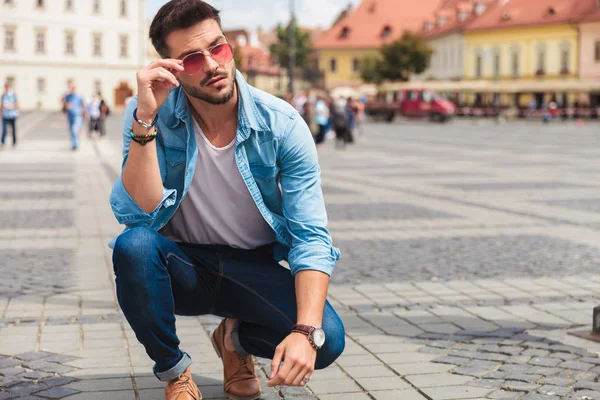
(307, 331)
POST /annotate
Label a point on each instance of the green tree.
(398, 60)
(370, 70)
(281, 49)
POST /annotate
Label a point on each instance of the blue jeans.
(157, 278)
(13, 124)
(75, 122)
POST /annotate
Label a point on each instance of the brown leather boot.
(239, 381)
(182, 388)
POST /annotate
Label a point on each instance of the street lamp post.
(292, 47)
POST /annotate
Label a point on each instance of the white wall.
(56, 67)
(447, 60)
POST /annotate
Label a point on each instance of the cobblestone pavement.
(470, 251)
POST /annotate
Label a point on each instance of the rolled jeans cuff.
(177, 370)
(235, 339)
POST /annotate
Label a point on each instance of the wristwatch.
(315, 335)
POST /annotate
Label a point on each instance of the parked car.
(411, 103)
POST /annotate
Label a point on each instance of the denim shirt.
(276, 157)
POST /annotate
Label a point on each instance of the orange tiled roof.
(258, 60)
(515, 13)
(365, 26)
(587, 11)
(452, 11)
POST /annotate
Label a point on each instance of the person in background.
(73, 107)
(299, 102)
(104, 112)
(322, 119)
(360, 114)
(340, 122)
(351, 110)
(92, 110)
(307, 116)
(10, 111)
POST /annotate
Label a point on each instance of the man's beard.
(198, 93)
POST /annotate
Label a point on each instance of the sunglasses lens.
(222, 53)
(193, 63)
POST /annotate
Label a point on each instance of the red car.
(411, 103)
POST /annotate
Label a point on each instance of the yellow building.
(531, 42)
(361, 32)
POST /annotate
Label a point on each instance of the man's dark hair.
(176, 15)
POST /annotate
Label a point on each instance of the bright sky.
(267, 13)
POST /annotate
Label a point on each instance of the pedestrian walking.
(322, 119)
(352, 111)
(340, 123)
(104, 112)
(92, 111)
(9, 103)
(73, 107)
(208, 218)
(299, 102)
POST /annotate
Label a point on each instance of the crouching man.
(221, 181)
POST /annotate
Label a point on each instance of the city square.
(469, 252)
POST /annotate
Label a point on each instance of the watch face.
(318, 337)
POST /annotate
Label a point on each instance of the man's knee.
(335, 340)
(133, 249)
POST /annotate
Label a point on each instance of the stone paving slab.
(445, 293)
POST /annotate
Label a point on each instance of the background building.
(362, 32)
(443, 31)
(98, 44)
(588, 12)
(533, 42)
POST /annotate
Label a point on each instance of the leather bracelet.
(143, 139)
(142, 123)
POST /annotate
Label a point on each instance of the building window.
(123, 9)
(39, 3)
(541, 62)
(355, 65)
(345, 32)
(10, 80)
(9, 2)
(333, 65)
(497, 64)
(96, 7)
(9, 39)
(97, 40)
(69, 43)
(564, 60)
(40, 42)
(69, 5)
(478, 65)
(387, 31)
(597, 51)
(97, 86)
(41, 85)
(444, 59)
(515, 63)
(124, 46)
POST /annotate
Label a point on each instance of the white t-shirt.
(218, 208)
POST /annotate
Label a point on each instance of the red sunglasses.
(222, 53)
